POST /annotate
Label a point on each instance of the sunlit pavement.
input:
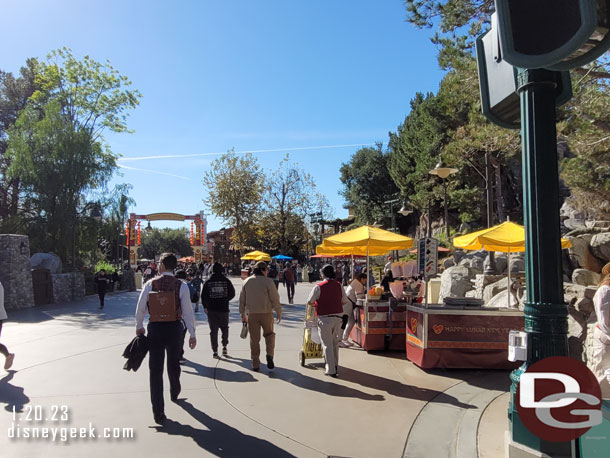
(380, 406)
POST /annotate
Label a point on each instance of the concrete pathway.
(69, 357)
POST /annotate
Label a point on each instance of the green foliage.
(289, 196)
(235, 187)
(156, 241)
(106, 266)
(55, 151)
(368, 185)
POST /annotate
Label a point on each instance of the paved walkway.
(380, 406)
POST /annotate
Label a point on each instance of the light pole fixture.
(405, 210)
(443, 172)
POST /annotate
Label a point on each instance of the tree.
(14, 94)
(367, 184)
(584, 123)
(156, 241)
(59, 133)
(289, 197)
(235, 186)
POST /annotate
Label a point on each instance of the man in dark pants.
(165, 336)
(101, 280)
(289, 280)
(215, 296)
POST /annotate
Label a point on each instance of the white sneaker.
(345, 343)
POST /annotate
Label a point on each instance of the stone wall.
(68, 287)
(15, 273)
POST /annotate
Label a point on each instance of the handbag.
(244, 331)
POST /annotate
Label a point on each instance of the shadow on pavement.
(220, 439)
(218, 373)
(310, 383)
(12, 395)
(399, 389)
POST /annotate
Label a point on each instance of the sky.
(315, 79)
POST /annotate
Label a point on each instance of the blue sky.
(251, 75)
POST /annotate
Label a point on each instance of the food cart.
(380, 323)
(460, 336)
(462, 333)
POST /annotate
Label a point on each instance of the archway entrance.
(198, 233)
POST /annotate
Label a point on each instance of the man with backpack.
(273, 274)
(215, 296)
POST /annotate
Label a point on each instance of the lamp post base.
(514, 449)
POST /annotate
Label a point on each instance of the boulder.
(579, 250)
(448, 262)
(455, 282)
(500, 261)
(458, 255)
(600, 246)
(465, 262)
(501, 301)
(494, 289)
(585, 277)
(517, 265)
(584, 305)
(477, 262)
(48, 261)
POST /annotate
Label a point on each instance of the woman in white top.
(355, 289)
(8, 357)
(601, 335)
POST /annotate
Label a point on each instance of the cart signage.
(485, 332)
(427, 257)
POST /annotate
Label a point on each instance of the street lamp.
(443, 172)
(491, 267)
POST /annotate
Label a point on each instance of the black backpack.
(272, 271)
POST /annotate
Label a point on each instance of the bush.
(104, 265)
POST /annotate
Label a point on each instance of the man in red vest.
(331, 309)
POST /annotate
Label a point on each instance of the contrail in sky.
(153, 171)
(176, 156)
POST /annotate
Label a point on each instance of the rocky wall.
(68, 287)
(15, 273)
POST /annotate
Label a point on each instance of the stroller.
(312, 347)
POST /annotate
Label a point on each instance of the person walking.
(306, 273)
(299, 273)
(355, 290)
(273, 274)
(257, 301)
(330, 301)
(165, 330)
(101, 280)
(215, 296)
(8, 357)
(289, 279)
(194, 284)
(601, 334)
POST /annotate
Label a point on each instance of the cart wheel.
(302, 357)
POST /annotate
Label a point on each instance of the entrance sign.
(197, 235)
(553, 34)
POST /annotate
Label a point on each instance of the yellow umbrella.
(356, 251)
(366, 241)
(368, 237)
(256, 256)
(506, 237)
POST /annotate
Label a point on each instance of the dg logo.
(559, 399)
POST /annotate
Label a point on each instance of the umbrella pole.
(368, 272)
(508, 266)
